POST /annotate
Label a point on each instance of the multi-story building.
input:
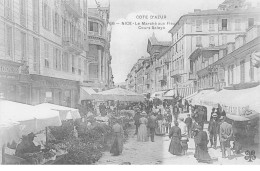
(156, 50)
(98, 63)
(206, 28)
(44, 50)
(229, 66)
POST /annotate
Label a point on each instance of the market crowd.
(183, 122)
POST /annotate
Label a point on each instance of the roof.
(216, 12)
(155, 42)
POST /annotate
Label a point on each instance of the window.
(230, 74)
(211, 41)
(36, 54)
(9, 42)
(198, 42)
(211, 25)
(65, 62)
(198, 25)
(79, 66)
(93, 26)
(23, 46)
(22, 13)
(242, 71)
(56, 24)
(250, 22)
(100, 30)
(224, 25)
(251, 71)
(57, 59)
(224, 39)
(46, 18)
(238, 24)
(8, 9)
(35, 15)
(46, 55)
(73, 64)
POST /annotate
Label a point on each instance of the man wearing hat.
(136, 119)
(226, 132)
(213, 130)
(152, 125)
(27, 145)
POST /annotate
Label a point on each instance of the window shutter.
(43, 18)
(53, 21)
(229, 24)
(220, 24)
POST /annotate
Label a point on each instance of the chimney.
(197, 10)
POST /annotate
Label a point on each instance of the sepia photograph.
(129, 82)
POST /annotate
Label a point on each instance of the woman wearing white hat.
(142, 130)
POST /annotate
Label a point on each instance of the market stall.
(33, 122)
(65, 113)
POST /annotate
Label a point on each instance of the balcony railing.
(72, 46)
(192, 76)
(73, 8)
(162, 78)
(177, 73)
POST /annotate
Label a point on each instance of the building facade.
(44, 48)
(98, 63)
(193, 36)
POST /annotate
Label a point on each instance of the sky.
(129, 42)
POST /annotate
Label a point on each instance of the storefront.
(14, 84)
(54, 90)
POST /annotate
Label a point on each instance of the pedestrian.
(152, 125)
(226, 133)
(183, 127)
(136, 119)
(201, 149)
(159, 130)
(175, 135)
(168, 121)
(118, 136)
(188, 122)
(142, 134)
(213, 130)
(194, 126)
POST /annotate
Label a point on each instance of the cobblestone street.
(146, 153)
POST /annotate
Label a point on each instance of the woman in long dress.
(160, 130)
(142, 130)
(201, 149)
(118, 133)
(175, 135)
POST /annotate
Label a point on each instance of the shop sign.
(9, 72)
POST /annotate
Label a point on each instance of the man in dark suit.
(152, 125)
(226, 133)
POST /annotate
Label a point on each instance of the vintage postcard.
(129, 82)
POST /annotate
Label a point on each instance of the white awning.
(158, 94)
(169, 94)
(86, 93)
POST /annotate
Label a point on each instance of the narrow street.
(147, 153)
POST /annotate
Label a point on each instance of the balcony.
(177, 73)
(157, 66)
(73, 8)
(162, 78)
(147, 81)
(167, 61)
(192, 76)
(96, 38)
(72, 46)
